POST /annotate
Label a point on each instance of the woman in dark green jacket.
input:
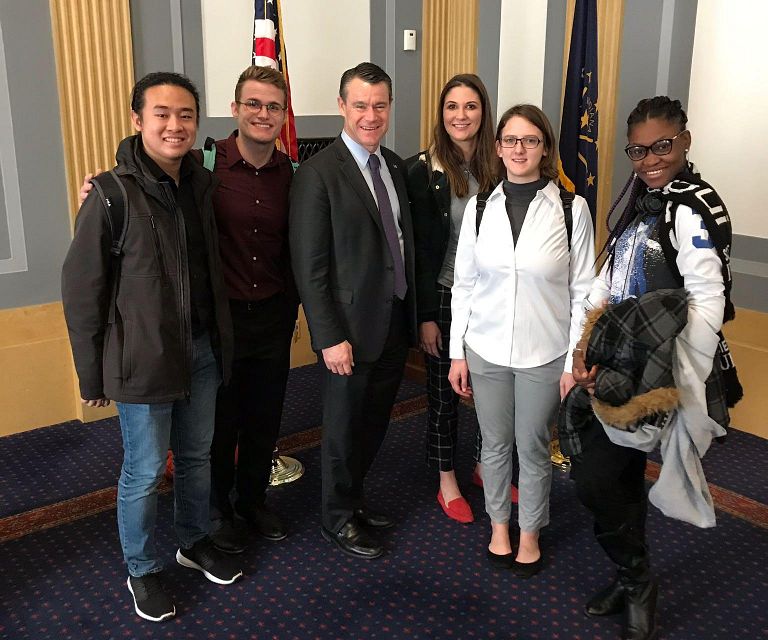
(459, 163)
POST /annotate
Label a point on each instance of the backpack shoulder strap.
(115, 201)
(567, 198)
(209, 154)
(482, 200)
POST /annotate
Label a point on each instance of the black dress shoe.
(607, 602)
(267, 524)
(527, 569)
(372, 519)
(353, 541)
(227, 536)
(501, 560)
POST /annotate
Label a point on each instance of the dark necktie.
(388, 222)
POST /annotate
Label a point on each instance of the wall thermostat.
(409, 40)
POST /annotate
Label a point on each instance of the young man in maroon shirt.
(251, 206)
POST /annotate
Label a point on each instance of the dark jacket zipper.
(181, 259)
(158, 249)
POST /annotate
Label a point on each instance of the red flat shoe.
(478, 482)
(457, 509)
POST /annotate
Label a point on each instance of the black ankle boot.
(640, 607)
(606, 602)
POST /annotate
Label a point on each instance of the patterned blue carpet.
(67, 460)
(434, 582)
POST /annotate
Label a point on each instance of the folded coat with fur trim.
(645, 395)
(633, 345)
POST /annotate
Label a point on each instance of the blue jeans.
(149, 430)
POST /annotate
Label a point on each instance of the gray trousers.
(516, 405)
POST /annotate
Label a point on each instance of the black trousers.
(250, 407)
(356, 414)
(610, 482)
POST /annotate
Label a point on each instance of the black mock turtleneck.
(517, 199)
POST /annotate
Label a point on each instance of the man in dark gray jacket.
(352, 250)
(152, 332)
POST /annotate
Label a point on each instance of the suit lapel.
(397, 178)
(356, 180)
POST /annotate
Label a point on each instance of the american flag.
(269, 50)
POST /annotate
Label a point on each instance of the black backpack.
(566, 197)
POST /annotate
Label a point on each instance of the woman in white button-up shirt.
(517, 311)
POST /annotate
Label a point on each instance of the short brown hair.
(538, 119)
(367, 72)
(267, 75)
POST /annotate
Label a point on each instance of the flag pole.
(269, 47)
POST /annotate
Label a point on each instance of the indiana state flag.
(578, 129)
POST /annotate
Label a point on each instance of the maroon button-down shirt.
(251, 208)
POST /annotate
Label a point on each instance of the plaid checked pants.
(442, 414)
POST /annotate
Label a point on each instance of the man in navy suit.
(353, 259)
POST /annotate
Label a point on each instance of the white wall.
(728, 107)
(320, 45)
(521, 53)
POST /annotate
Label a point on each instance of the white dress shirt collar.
(359, 152)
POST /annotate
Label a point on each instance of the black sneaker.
(215, 565)
(149, 599)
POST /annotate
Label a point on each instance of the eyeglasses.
(528, 142)
(254, 106)
(659, 148)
